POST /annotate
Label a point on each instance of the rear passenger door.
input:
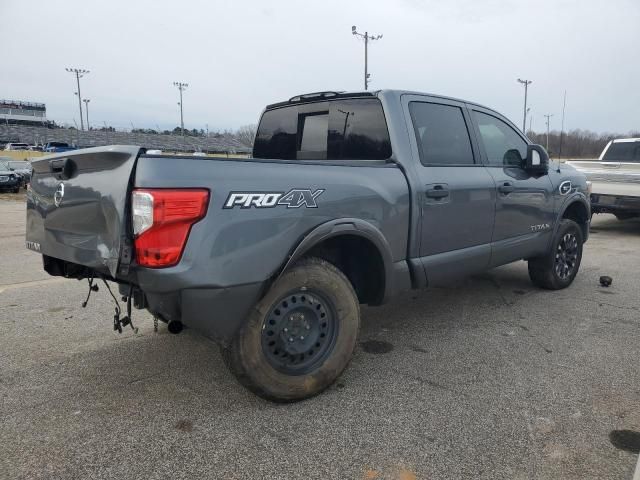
(524, 201)
(458, 197)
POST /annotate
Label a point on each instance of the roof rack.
(315, 96)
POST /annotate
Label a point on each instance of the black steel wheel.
(300, 337)
(560, 266)
(299, 332)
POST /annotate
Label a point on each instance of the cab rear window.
(347, 129)
(622, 152)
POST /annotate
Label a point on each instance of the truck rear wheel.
(300, 337)
(558, 268)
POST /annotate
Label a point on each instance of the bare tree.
(246, 134)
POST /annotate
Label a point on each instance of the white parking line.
(34, 283)
(636, 476)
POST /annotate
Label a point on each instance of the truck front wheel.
(300, 337)
(558, 268)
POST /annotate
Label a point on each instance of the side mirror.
(537, 160)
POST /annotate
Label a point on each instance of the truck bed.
(89, 228)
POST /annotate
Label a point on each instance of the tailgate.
(76, 207)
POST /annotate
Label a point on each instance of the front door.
(458, 197)
(524, 201)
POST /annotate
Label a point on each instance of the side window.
(502, 144)
(441, 133)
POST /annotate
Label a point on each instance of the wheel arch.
(358, 249)
(576, 208)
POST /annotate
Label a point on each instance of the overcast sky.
(237, 56)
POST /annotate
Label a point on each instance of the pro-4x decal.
(294, 198)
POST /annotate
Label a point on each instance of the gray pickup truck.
(348, 199)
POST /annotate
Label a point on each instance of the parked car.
(22, 168)
(35, 148)
(16, 146)
(57, 147)
(349, 199)
(615, 178)
(9, 180)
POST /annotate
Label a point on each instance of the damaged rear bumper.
(216, 313)
(170, 294)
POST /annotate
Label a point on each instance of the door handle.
(506, 188)
(437, 192)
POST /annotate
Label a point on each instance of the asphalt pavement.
(488, 378)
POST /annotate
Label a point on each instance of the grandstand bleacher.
(214, 143)
(23, 113)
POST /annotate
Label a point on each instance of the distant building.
(14, 112)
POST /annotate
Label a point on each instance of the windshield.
(58, 144)
(623, 152)
(18, 165)
(4, 165)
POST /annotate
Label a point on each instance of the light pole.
(548, 116)
(564, 105)
(346, 121)
(79, 73)
(181, 86)
(367, 38)
(526, 84)
(86, 108)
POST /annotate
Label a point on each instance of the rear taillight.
(162, 219)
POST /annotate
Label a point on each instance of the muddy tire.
(300, 337)
(558, 268)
